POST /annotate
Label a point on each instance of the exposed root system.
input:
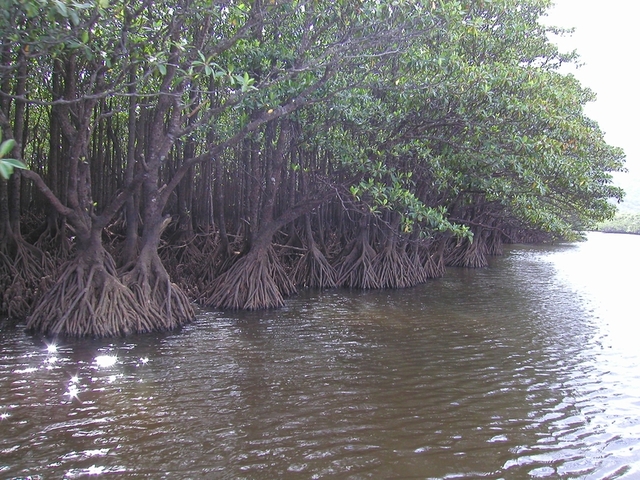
(469, 254)
(314, 270)
(24, 271)
(391, 267)
(356, 268)
(432, 260)
(183, 262)
(164, 302)
(87, 299)
(494, 243)
(254, 282)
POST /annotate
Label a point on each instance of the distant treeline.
(622, 223)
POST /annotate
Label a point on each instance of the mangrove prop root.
(22, 271)
(183, 263)
(165, 303)
(431, 257)
(314, 270)
(356, 268)
(255, 281)
(88, 300)
(494, 243)
(466, 254)
(395, 269)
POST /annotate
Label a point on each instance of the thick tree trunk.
(131, 209)
(162, 300)
(23, 267)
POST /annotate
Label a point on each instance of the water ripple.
(516, 371)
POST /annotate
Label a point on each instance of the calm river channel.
(527, 369)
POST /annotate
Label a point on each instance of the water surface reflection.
(525, 369)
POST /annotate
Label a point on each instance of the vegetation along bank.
(229, 153)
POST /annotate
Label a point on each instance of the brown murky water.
(527, 369)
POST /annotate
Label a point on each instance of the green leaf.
(5, 170)
(14, 163)
(7, 165)
(75, 19)
(6, 147)
(62, 9)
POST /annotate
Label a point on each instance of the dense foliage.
(230, 152)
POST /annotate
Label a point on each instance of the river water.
(527, 369)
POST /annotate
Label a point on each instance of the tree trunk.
(162, 300)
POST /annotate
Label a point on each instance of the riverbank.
(622, 223)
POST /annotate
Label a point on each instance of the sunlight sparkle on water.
(52, 348)
(73, 392)
(4, 415)
(106, 360)
(94, 470)
(26, 370)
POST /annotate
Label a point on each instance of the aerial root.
(165, 303)
(431, 258)
(24, 272)
(393, 269)
(87, 301)
(466, 253)
(314, 270)
(356, 268)
(255, 281)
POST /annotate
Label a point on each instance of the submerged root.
(255, 281)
